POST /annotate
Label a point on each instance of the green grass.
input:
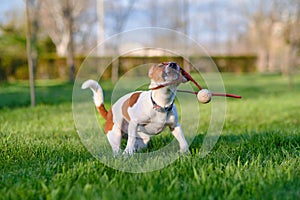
(257, 155)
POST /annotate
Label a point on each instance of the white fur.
(97, 91)
(144, 119)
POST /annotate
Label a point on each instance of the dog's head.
(166, 73)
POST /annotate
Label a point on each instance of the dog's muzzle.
(174, 66)
(171, 72)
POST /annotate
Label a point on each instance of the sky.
(200, 17)
(7, 5)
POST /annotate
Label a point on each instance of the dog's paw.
(184, 150)
(117, 152)
(129, 151)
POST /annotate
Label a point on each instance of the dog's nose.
(173, 65)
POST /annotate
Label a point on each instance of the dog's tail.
(97, 96)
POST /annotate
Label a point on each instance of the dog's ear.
(154, 70)
(150, 72)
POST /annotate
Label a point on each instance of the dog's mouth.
(167, 73)
(171, 72)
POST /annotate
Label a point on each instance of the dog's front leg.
(178, 134)
(132, 134)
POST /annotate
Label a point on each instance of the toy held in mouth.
(203, 95)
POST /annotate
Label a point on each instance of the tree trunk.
(31, 47)
(120, 23)
(70, 49)
(116, 63)
(62, 45)
(292, 63)
(185, 11)
(115, 70)
(71, 59)
(100, 18)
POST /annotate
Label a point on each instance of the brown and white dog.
(142, 114)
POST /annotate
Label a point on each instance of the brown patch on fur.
(109, 122)
(103, 112)
(155, 72)
(108, 116)
(129, 103)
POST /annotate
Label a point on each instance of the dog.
(142, 114)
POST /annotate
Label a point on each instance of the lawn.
(257, 155)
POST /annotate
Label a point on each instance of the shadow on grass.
(49, 92)
(14, 95)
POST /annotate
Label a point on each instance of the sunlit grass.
(257, 155)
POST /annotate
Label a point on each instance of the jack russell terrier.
(142, 114)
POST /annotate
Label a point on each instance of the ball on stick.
(204, 96)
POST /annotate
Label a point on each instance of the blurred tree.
(154, 13)
(46, 45)
(32, 14)
(119, 12)
(13, 33)
(13, 60)
(274, 27)
(69, 21)
(213, 24)
(263, 19)
(12, 45)
(59, 18)
(100, 19)
(174, 15)
(291, 17)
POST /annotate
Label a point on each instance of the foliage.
(236, 64)
(51, 66)
(256, 157)
(13, 43)
(13, 58)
